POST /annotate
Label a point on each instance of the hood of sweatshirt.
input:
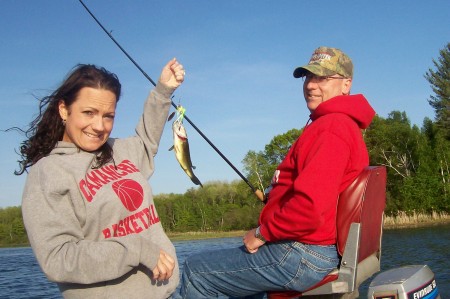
(65, 148)
(356, 106)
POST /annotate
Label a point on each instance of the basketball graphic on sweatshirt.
(130, 193)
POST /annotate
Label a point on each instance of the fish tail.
(196, 181)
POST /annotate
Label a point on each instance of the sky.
(239, 57)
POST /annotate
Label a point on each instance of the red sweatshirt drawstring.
(307, 123)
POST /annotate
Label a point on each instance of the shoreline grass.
(414, 219)
(187, 236)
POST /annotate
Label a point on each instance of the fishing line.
(256, 191)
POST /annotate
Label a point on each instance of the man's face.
(317, 89)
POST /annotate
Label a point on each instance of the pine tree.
(440, 84)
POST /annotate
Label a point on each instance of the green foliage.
(218, 206)
(260, 166)
(257, 169)
(12, 230)
(417, 163)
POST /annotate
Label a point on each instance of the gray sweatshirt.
(96, 232)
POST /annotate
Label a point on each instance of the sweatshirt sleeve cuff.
(149, 254)
(164, 90)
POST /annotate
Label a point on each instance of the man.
(293, 247)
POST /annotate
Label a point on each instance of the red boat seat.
(359, 231)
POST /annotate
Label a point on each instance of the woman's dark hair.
(48, 128)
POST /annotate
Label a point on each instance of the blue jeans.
(277, 266)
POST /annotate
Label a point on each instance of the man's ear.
(346, 86)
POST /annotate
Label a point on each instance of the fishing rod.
(257, 192)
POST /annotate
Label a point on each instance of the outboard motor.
(409, 282)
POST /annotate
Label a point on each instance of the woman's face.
(90, 118)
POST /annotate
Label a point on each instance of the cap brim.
(312, 68)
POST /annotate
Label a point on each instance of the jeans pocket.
(321, 259)
(314, 263)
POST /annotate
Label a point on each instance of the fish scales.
(181, 148)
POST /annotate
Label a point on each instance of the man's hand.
(251, 242)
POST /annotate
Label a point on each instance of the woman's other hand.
(164, 267)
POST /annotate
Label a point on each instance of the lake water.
(21, 277)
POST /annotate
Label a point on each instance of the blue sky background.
(239, 57)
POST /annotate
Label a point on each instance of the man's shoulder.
(336, 120)
(337, 124)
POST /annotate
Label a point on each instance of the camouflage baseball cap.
(327, 62)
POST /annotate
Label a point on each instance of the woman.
(87, 205)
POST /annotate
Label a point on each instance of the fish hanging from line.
(181, 145)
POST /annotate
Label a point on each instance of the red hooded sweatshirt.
(321, 163)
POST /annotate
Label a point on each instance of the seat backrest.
(363, 202)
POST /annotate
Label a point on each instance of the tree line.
(417, 159)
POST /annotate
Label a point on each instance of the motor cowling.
(408, 282)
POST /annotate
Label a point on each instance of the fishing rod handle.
(259, 195)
